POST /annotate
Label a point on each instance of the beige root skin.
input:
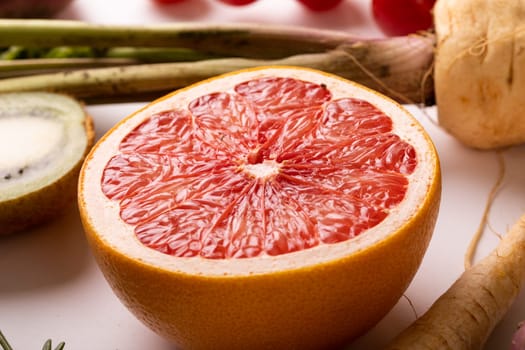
(465, 315)
(480, 71)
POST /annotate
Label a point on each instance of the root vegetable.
(479, 84)
(480, 71)
(465, 315)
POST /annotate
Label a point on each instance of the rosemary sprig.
(4, 344)
(47, 345)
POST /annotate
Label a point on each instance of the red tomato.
(168, 1)
(237, 2)
(320, 5)
(402, 17)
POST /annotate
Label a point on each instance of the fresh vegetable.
(269, 208)
(232, 39)
(44, 138)
(23, 61)
(314, 5)
(465, 315)
(31, 8)
(320, 5)
(479, 50)
(398, 67)
(479, 84)
(237, 2)
(167, 2)
(403, 17)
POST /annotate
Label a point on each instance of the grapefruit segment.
(163, 133)
(282, 94)
(224, 122)
(276, 207)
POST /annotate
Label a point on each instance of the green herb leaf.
(60, 346)
(47, 345)
(3, 342)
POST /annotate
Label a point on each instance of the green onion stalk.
(105, 63)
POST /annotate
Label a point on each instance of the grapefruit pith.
(270, 208)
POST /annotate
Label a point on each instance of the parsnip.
(465, 315)
(479, 81)
(480, 71)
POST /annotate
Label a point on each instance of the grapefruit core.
(276, 207)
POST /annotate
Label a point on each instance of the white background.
(50, 286)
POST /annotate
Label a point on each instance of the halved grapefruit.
(270, 208)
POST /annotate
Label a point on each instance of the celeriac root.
(465, 315)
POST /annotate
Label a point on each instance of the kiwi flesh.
(44, 138)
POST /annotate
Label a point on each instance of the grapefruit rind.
(318, 298)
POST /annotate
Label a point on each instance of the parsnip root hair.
(465, 315)
(474, 242)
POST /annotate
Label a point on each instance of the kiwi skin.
(47, 202)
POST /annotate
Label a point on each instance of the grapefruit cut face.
(275, 165)
(271, 208)
(260, 164)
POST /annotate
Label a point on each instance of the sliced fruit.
(237, 2)
(44, 138)
(271, 208)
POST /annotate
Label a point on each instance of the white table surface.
(50, 286)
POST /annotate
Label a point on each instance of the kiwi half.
(44, 138)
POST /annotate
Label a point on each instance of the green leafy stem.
(4, 344)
